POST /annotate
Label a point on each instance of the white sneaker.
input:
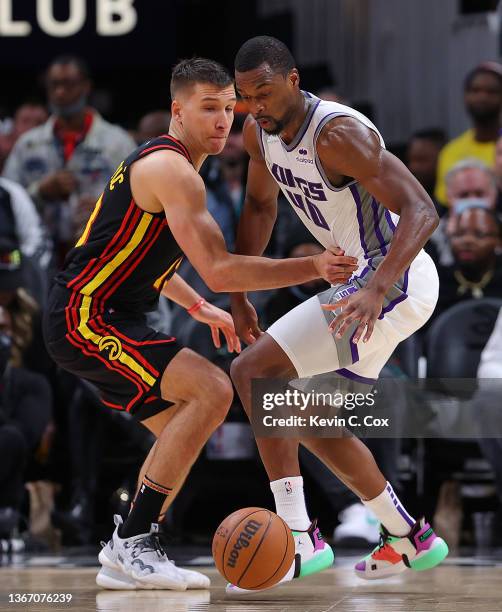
(140, 562)
(358, 527)
(312, 555)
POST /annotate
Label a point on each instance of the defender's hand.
(219, 320)
(245, 318)
(364, 306)
(334, 266)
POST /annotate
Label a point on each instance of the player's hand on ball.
(334, 266)
(364, 306)
(219, 320)
(245, 318)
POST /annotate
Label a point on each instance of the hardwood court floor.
(447, 588)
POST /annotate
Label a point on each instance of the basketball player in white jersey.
(357, 199)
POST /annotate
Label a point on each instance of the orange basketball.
(253, 548)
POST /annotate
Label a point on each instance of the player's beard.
(278, 126)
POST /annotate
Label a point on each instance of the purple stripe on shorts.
(405, 281)
(388, 216)
(348, 374)
(378, 232)
(353, 348)
(392, 304)
(357, 200)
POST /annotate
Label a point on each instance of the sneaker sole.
(393, 570)
(317, 563)
(115, 580)
(428, 559)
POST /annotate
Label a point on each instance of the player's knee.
(220, 398)
(246, 366)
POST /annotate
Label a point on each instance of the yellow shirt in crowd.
(457, 149)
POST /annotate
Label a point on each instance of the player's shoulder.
(251, 135)
(159, 156)
(346, 133)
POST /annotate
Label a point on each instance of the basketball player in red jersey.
(150, 214)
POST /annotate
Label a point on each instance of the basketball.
(253, 548)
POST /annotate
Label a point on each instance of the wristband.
(197, 306)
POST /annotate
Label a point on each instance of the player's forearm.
(416, 224)
(177, 290)
(239, 273)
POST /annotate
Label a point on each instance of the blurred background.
(427, 73)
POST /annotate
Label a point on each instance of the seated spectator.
(65, 163)
(152, 124)
(19, 220)
(422, 158)
(476, 272)
(469, 182)
(25, 397)
(483, 103)
(26, 117)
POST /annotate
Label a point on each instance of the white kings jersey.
(347, 217)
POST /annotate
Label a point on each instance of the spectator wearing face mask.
(483, 103)
(65, 163)
(474, 236)
(470, 183)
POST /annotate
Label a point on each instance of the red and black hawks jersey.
(125, 255)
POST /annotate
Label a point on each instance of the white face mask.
(69, 110)
(462, 204)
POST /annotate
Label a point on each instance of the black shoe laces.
(384, 537)
(153, 542)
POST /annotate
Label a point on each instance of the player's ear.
(177, 111)
(294, 77)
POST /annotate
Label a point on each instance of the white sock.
(290, 502)
(390, 512)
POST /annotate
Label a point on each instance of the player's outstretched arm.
(182, 194)
(347, 147)
(179, 291)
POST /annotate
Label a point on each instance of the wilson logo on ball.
(243, 541)
(112, 346)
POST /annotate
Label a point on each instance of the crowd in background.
(57, 441)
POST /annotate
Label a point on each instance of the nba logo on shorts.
(289, 488)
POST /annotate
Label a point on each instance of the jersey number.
(309, 209)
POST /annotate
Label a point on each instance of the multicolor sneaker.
(420, 550)
(312, 555)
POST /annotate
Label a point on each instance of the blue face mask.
(70, 110)
(462, 204)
